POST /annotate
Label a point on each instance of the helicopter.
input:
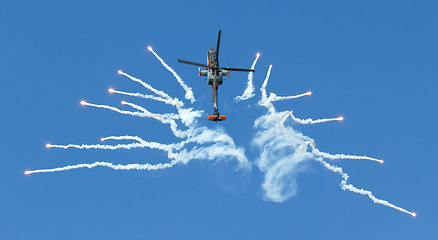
(214, 75)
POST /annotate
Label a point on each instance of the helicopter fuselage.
(215, 74)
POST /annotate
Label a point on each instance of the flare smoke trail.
(283, 151)
(96, 146)
(163, 118)
(284, 154)
(341, 156)
(174, 102)
(166, 118)
(249, 91)
(273, 97)
(221, 146)
(311, 121)
(161, 93)
(160, 117)
(352, 188)
(132, 166)
(144, 112)
(189, 92)
(265, 101)
(139, 114)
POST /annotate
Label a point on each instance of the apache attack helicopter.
(214, 75)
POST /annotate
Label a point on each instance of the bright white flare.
(111, 90)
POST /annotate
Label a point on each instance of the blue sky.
(373, 63)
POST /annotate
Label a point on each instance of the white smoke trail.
(283, 154)
(166, 119)
(132, 166)
(273, 97)
(281, 158)
(311, 121)
(96, 146)
(284, 119)
(173, 102)
(163, 118)
(152, 145)
(249, 91)
(221, 145)
(126, 137)
(343, 156)
(317, 152)
(352, 188)
(283, 151)
(138, 114)
(152, 115)
(264, 99)
(189, 92)
(200, 135)
(140, 144)
(217, 151)
(147, 86)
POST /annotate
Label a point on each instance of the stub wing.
(217, 118)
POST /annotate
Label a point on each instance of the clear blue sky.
(373, 63)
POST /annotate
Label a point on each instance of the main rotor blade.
(217, 47)
(192, 63)
(238, 69)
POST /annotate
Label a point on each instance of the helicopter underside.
(214, 74)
